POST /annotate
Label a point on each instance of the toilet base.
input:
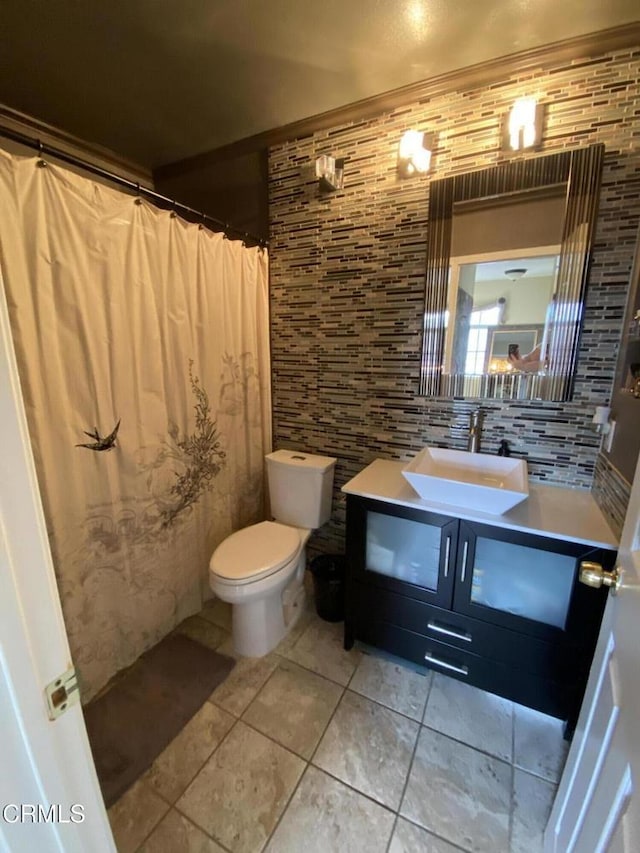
(258, 626)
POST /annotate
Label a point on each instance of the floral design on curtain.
(121, 311)
(199, 455)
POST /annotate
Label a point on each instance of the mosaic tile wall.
(612, 492)
(347, 278)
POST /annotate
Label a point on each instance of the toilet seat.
(255, 552)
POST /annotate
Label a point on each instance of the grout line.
(207, 759)
(197, 825)
(158, 822)
(469, 746)
(413, 755)
(204, 832)
(195, 776)
(553, 782)
(329, 721)
(286, 807)
(386, 707)
(172, 805)
(306, 760)
(352, 788)
(434, 834)
(512, 804)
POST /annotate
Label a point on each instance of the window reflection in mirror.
(501, 311)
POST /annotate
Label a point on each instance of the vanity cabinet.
(498, 608)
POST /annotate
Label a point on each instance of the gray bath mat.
(140, 715)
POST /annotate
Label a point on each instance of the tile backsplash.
(347, 278)
(612, 491)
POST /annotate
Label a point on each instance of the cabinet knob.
(592, 574)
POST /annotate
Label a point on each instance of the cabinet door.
(524, 582)
(401, 549)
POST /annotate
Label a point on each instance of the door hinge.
(61, 693)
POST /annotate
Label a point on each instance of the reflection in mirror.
(507, 264)
(501, 313)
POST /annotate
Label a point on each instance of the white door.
(598, 805)
(49, 794)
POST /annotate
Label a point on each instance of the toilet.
(260, 569)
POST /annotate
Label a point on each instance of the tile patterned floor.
(317, 749)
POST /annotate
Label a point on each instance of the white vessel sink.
(492, 484)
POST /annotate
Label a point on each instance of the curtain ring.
(41, 163)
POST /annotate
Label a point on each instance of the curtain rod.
(152, 195)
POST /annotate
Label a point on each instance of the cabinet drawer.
(535, 691)
(555, 660)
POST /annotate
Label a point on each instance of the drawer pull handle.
(462, 670)
(465, 551)
(447, 553)
(449, 632)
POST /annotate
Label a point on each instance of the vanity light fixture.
(330, 172)
(414, 153)
(523, 125)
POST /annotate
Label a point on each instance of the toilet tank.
(300, 487)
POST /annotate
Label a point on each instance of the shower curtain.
(142, 344)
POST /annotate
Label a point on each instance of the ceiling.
(160, 80)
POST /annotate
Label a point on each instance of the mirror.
(507, 264)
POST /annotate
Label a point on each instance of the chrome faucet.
(475, 430)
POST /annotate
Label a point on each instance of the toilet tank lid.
(301, 459)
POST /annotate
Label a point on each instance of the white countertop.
(568, 514)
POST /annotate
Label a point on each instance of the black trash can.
(328, 572)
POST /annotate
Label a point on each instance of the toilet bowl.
(260, 570)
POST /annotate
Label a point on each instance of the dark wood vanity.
(494, 602)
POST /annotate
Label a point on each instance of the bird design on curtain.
(106, 443)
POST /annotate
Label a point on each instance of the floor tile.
(203, 632)
(538, 743)
(176, 766)
(532, 801)
(218, 612)
(324, 816)
(244, 681)
(391, 684)
(294, 707)
(369, 747)
(176, 834)
(459, 793)
(409, 838)
(320, 649)
(304, 620)
(470, 715)
(134, 816)
(242, 790)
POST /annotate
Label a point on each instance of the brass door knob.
(592, 574)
